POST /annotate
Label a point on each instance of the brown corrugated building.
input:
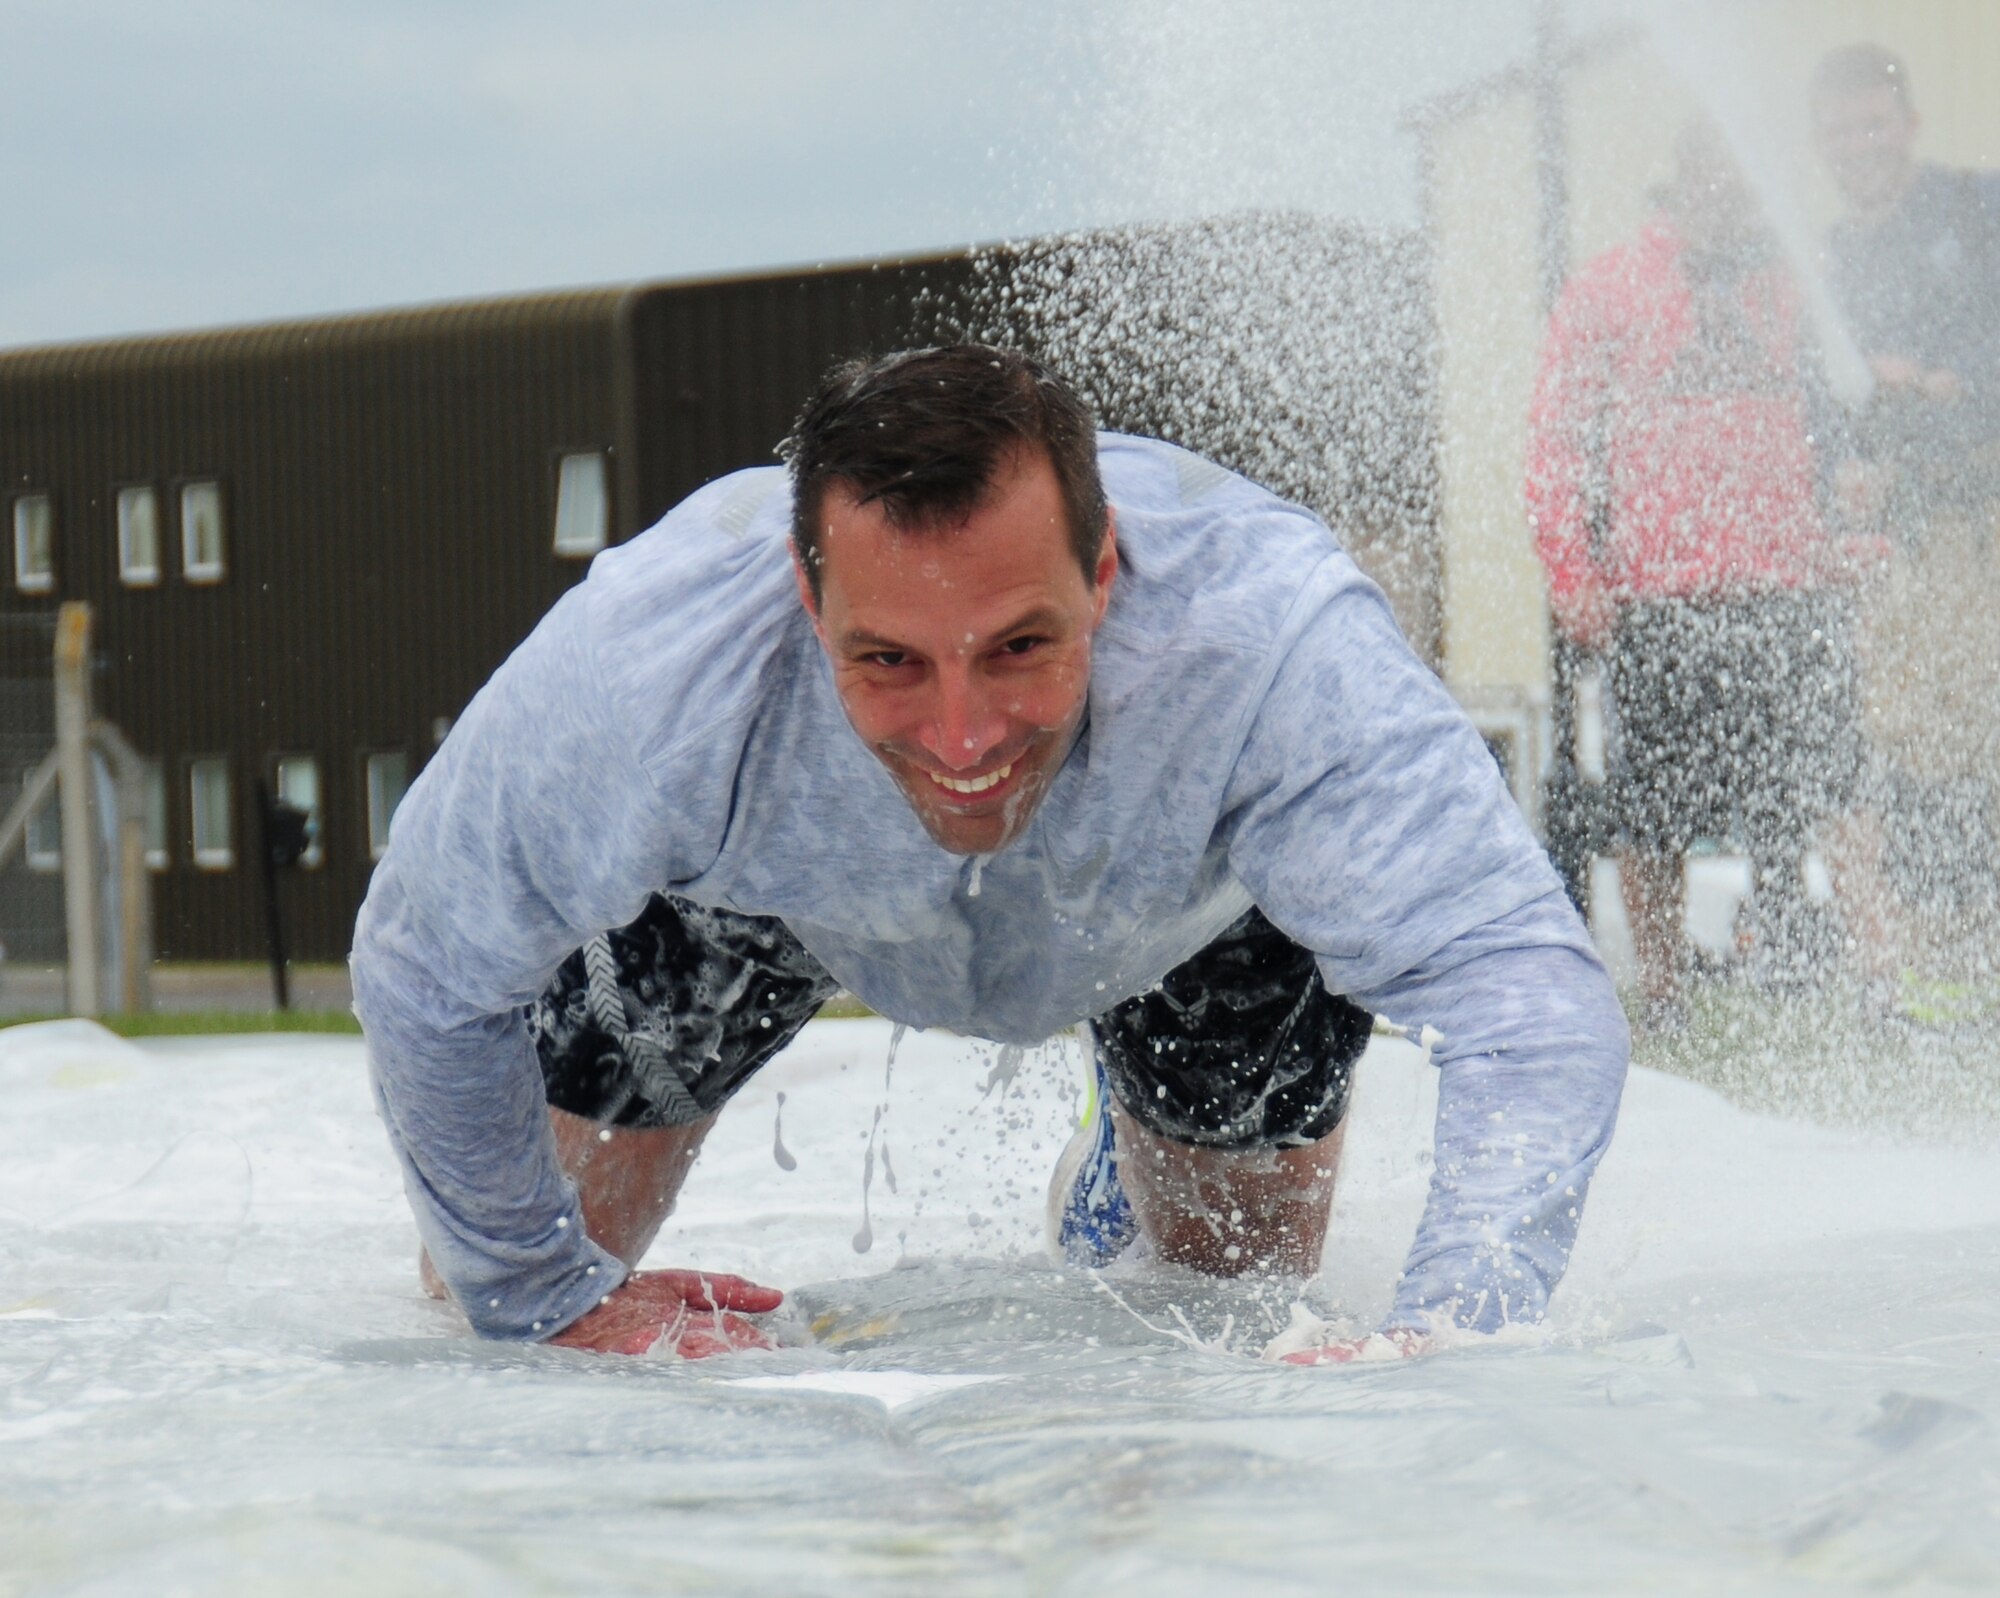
(309, 543)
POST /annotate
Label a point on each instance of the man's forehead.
(848, 505)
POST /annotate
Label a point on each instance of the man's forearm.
(462, 1102)
(1532, 1066)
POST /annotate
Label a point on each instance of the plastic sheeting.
(1772, 1368)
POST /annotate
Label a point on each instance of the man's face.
(1867, 137)
(962, 653)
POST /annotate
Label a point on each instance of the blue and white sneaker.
(1090, 1220)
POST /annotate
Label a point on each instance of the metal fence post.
(79, 853)
(135, 891)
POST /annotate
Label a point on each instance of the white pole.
(135, 894)
(79, 854)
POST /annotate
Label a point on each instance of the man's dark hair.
(921, 433)
(1857, 68)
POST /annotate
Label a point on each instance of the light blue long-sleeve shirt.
(1257, 732)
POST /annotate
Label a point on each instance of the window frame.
(130, 575)
(25, 580)
(573, 549)
(159, 828)
(314, 854)
(211, 859)
(203, 573)
(374, 840)
(44, 861)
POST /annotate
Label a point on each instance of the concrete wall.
(1481, 200)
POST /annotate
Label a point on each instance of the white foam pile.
(1773, 1367)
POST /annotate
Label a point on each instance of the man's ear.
(806, 590)
(1107, 565)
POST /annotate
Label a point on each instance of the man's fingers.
(733, 1292)
(745, 1334)
(1332, 1354)
(702, 1290)
(1370, 1349)
(708, 1335)
(701, 1345)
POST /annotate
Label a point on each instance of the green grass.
(201, 1023)
(846, 1008)
(1828, 1058)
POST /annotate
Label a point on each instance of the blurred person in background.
(1916, 267)
(1675, 500)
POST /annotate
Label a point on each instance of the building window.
(208, 799)
(298, 785)
(201, 532)
(138, 536)
(44, 840)
(34, 544)
(157, 857)
(388, 777)
(583, 508)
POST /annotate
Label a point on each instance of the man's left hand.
(1369, 1350)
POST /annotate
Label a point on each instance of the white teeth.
(975, 785)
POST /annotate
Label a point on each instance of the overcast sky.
(179, 163)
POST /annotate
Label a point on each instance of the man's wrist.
(533, 1308)
(1474, 1292)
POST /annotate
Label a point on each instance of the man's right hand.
(694, 1313)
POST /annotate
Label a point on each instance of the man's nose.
(966, 726)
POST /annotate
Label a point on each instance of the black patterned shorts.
(658, 1023)
(1733, 720)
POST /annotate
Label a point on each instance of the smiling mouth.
(972, 785)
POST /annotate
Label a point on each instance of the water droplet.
(896, 1033)
(864, 1239)
(1006, 1066)
(779, 1152)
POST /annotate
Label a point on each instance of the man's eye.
(886, 657)
(1021, 646)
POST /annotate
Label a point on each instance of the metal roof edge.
(608, 300)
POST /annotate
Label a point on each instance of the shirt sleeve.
(1370, 823)
(526, 835)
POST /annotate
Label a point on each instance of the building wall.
(31, 901)
(1482, 204)
(388, 494)
(719, 370)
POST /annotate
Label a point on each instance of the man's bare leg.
(626, 1177)
(1855, 849)
(1655, 890)
(1227, 1212)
